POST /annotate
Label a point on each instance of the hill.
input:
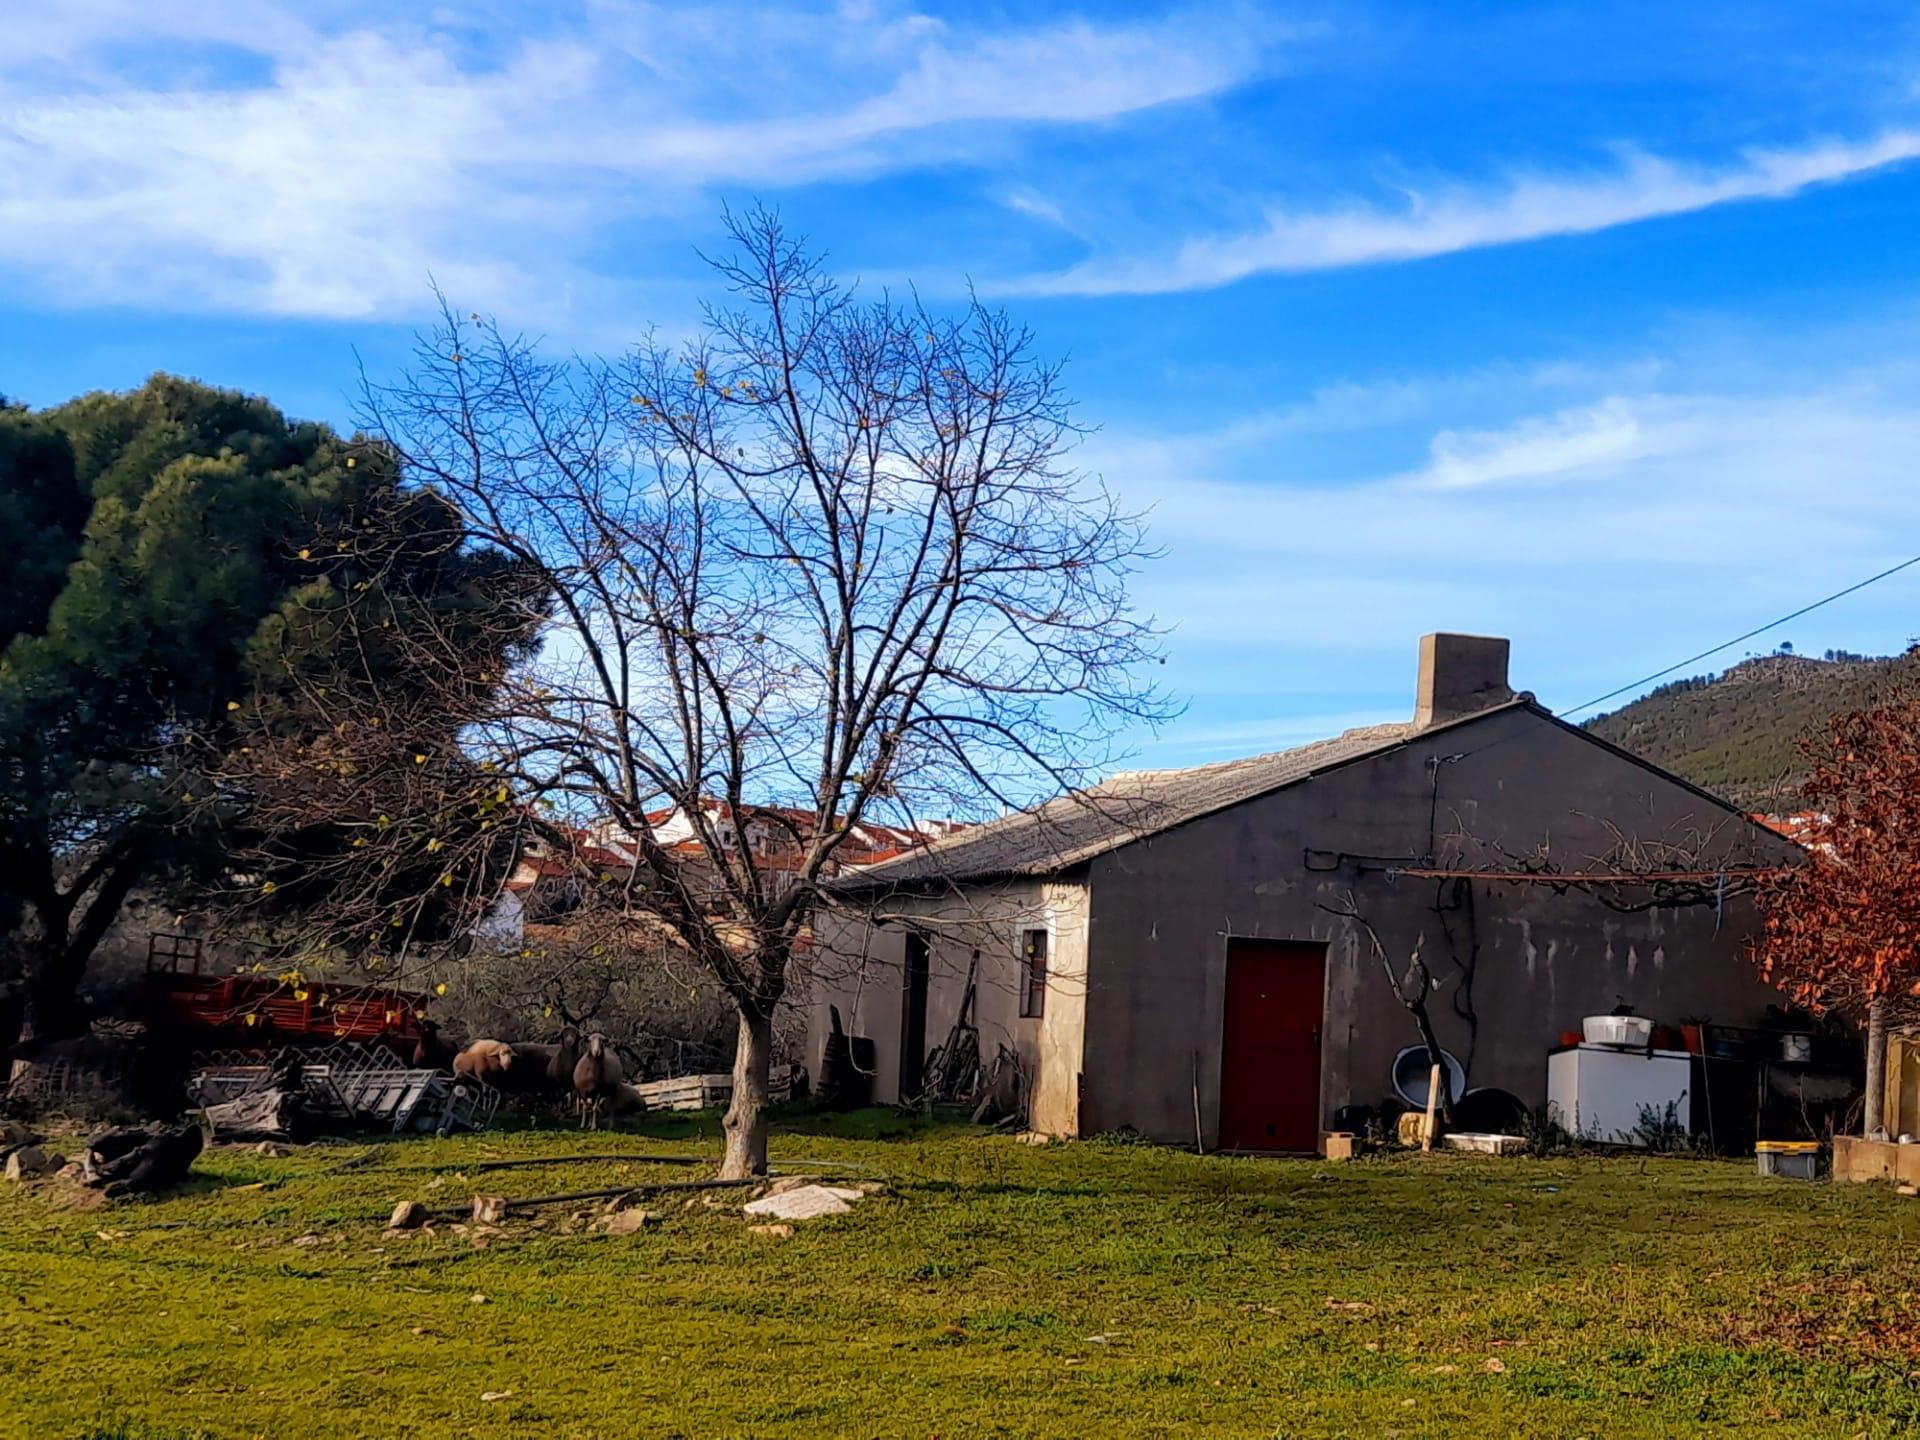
(1738, 733)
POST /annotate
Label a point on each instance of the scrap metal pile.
(250, 1098)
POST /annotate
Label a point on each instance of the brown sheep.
(624, 1097)
(546, 1069)
(433, 1051)
(566, 1056)
(486, 1061)
(546, 1066)
(596, 1079)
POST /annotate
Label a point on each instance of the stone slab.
(1479, 1144)
(809, 1202)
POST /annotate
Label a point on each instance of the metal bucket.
(1412, 1069)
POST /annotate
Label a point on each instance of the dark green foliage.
(42, 510)
(194, 504)
(188, 554)
(1738, 734)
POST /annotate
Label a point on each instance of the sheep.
(596, 1077)
(565, 1057)
(565, 1060)
(547, 1069)
(432, 1051)
(521, 1068)
(624, 1097)
(488, 1062)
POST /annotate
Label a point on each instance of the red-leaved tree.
(1842, 931)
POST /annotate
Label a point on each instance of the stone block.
(1857, 1160)
(1906, 1164)
(1486, 1144)
(30, 1162)
(408, 1215)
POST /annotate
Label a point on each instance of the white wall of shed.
(861, 968)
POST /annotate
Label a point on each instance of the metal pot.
(1412, 1070)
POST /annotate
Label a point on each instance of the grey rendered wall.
(860, 963)
(1163, 910)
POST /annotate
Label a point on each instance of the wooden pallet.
(710, 1092)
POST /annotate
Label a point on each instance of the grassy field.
(1086, 1289)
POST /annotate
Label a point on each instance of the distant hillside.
(1738, 733)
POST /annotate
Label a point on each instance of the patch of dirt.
(1840, 1317)
(72, 1195)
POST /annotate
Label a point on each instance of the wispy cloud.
(1607, 538)
(1539, 448)
(275, 164)
(1451, 218)
(1036, 205)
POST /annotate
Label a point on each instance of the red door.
(1270, 1045)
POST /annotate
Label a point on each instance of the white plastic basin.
(1617, 1030)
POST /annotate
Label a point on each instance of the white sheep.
(596, 1079)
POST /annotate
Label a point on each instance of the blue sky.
(1590, 325)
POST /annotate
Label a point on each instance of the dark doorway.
(1270, 1045)
(913, 1020)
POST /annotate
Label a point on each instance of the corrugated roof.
(1130, 806)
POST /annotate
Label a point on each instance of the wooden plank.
(1433, 1100)
(709, 1092)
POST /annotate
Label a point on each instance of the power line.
(1728, 645)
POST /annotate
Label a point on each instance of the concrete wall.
(1858, 1161)
(1507, 784)
(860, 963)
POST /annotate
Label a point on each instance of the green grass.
(1089, 1289)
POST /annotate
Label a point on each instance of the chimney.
(1459, 675)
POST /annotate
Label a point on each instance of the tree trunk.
(1875, 1127)
(50, 1007)
(71, 927)
(746, 1117)
(53, 1010)
(1427, 1038)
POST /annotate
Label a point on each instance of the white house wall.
(860, 968)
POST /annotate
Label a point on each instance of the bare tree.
(1412, 988)
(827, 554)
(1684, 866)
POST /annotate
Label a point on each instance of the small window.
(1033, 963)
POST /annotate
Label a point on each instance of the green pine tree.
(179, 562)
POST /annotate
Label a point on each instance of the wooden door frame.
(913, 1051)
(1325, 950)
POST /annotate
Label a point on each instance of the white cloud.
(1452, 219)
(1537, 448)
(1038, 206)
(65, 34)
(1606, 538)
(359, 156)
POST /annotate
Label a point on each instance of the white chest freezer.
(1619, 1095)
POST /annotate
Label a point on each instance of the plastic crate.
(1793, 1159)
